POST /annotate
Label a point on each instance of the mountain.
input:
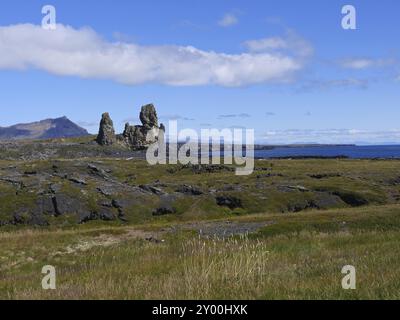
(45, 129)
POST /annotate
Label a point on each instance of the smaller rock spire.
(106, 134)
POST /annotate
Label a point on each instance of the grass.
(294, 255)
(297, 256)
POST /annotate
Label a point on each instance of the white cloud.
(82, 52)
(290, 42)
(364, 63)
(266, 44)
(228, 20)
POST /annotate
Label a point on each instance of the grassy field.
(296, 256)
(298, 223)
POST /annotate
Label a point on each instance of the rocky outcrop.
(133, 137)
(137, 137)
(106, 136)
(148, 116)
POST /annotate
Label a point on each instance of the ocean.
(353, 152)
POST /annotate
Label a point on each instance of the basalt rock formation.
(148, 116)
(133, 137)
(106, 136)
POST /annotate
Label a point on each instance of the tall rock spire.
(106, 134)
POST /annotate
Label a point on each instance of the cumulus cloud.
(228, 20)
(266, 44)
(82, 52)
(364, 63)
(291, 42)
(329, 136)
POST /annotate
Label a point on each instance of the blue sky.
(285, 68)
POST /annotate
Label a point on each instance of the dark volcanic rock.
(394, 181)
(166, 205)
(140, 137)
(106, 214)
(135, 136)
(30, 172)
(269, 175)
(64, 204)
(152, 189)
(37, 219)
(229, 201)
(292, 188)
(163, 210)
(122, 205)
(102, 213)
(189, 190)
(55, 187)
(325, 200)
(78, 180)
(29, 217)
(86, 216)
(351, 198)
(106, 136)
(45, 204)
(302, 205)
(324, 175)
(148, 116)
(94, 170)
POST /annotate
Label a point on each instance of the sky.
(287, 69)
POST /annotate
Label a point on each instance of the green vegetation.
(306, 219)
(298, 256)
(279, 186)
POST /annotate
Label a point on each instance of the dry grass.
(297, 257)
(233, 264)
(305, 267)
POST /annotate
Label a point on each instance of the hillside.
(45, 129)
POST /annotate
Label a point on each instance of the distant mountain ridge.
(45, 129)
